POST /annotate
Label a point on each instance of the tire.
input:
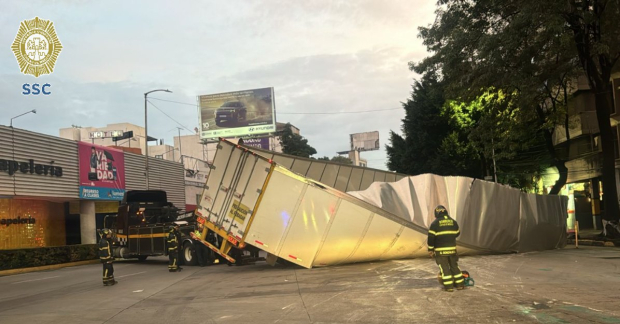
(142, 257)
(189, 255)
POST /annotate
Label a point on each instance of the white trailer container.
(250, 200)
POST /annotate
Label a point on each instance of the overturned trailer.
(297, 210)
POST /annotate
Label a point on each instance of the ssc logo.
(36, 47)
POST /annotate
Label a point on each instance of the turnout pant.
(451, 275)
(108, 272)
(173, 258)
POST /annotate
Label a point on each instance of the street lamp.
(34, 111)
(146, 134)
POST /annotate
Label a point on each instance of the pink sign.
(102, 172)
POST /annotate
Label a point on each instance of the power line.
(177, 102)
(169, 116)
(296, 113)
(335, 112)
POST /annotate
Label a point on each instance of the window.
(159, 156)
(197, 199)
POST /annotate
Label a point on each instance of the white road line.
(132, 274)
(34, 280)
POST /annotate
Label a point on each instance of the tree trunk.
(560, 164)
(603, 104)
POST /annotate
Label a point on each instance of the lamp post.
(34, 111)
(146, 134)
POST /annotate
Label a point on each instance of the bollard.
(576, 234)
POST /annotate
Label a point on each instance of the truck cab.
(142, 222)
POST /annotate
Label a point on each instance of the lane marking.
(34, 280)
(132, 274)
(137, 291)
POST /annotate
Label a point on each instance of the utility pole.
(180, 147)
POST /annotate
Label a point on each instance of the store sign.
(12, 167)
(262, 143)
(106, 134)
(18, 220)
(102, 172)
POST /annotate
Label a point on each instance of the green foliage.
(294, 144)
(430, 142)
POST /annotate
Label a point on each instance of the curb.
(47, 267)
(595, 243)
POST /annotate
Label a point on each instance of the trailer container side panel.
(301, 167)
(284, 161)
(367, 179)
(343, 178)
(316, 170)
(355, 180)
(329, 175)
(344, 234)
(409, 244)
(377, 239)
(308, 226)
(273, 214)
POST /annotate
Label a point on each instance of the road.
(560, 286)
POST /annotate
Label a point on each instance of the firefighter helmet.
(105, 231)
(441, 211)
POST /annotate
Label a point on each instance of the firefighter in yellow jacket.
(105, 255)
(173, 249)
(442, 236)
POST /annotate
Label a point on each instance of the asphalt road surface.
(561, 286)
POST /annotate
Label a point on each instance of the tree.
(295, 144)
(429, 143)
(533, 47)
(337, 159)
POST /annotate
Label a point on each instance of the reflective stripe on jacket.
(442, 235)
(105, 252)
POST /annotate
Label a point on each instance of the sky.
(319, 56)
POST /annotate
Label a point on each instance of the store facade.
(55, 192)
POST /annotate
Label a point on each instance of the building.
(56, 191)
(78, 133)
(195, 154)
(584, 154)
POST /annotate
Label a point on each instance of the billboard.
(236, 114)
(102, 172)
(368, 141)
(262, 143)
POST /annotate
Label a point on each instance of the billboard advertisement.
(368, 141)
(102, 172)
(261, 143)
(236, 114)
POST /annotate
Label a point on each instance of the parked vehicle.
(231, 112)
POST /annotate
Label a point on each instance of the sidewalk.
(592, 237)
(47, 267)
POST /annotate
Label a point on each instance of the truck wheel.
(189, 255)
(142, 257)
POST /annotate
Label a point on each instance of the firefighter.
(173, 249)
(105, 255)
(442, 236)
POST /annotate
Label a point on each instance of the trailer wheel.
(142, 257)
(189, 255)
